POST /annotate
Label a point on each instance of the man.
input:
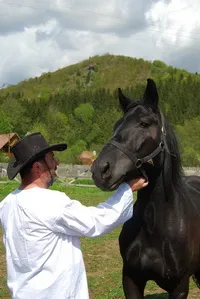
(42, 227)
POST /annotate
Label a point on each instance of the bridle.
(139, 162)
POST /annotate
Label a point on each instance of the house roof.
(5, 138)
(86, 157)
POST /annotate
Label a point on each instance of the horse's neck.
(152, 191)
(165, 180)
(163, 200)
(161, 189)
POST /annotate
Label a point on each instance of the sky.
(38, 36)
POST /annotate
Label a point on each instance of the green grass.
(101, 255)
(84, 181)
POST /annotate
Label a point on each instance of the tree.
(5, 123)
(16, 115)
(72, 153)
(56, 124)
(190, 157)
(84, 128)
(84, 113)
(40, 127)
(190, 142)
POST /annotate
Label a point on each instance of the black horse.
(161, 241)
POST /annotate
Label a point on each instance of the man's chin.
(52, 178)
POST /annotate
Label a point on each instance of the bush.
(190, 157)
(4, 157)
(159, 64)
(70, 156)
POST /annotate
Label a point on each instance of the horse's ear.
(151, 94)
(123, 100)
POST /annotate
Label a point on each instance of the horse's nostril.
(105, 167)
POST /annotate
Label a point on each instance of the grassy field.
(101, 255)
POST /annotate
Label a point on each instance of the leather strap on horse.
(138, 161)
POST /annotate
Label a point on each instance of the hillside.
(79, 104)
(106, 71)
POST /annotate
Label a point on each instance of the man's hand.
(137, 184)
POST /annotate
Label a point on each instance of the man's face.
(52, 164)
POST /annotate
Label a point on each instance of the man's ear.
(37, 167)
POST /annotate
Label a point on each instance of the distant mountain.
(79, 104)
(106, 71)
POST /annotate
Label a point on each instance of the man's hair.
(26, 170)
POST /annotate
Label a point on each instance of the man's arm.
(79, 220)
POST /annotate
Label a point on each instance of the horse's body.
(161, 241)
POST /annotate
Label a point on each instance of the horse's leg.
(182, 289)
(133, 287)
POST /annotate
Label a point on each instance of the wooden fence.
(68, 174)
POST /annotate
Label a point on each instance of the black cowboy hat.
(29, 149)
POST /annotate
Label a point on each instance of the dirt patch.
(194, 293)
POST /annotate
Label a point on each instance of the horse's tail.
(196, 278)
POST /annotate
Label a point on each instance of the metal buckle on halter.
(163, 131)
(150, 162)
(138, 163)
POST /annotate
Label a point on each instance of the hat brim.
(14, 167)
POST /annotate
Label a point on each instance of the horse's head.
(136, 144)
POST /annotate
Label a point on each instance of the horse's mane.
(173, 171)
(174, 151)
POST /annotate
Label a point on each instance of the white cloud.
(37, 36)
(175, 22)
(176, 30)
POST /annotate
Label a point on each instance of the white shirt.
(41, 235)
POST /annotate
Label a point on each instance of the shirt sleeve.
(79, 220)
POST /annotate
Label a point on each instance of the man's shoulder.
(44, 203)
(8, 199)
(52, 192)
(10, 195)
(54, 195)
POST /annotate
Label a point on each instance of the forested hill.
(106, 71)
(78, 104)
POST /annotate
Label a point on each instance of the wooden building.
(7, 141)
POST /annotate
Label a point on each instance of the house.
(87, 158)
(7, 141)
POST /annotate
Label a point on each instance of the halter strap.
(138, 161)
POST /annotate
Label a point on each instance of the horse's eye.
(144, 124)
